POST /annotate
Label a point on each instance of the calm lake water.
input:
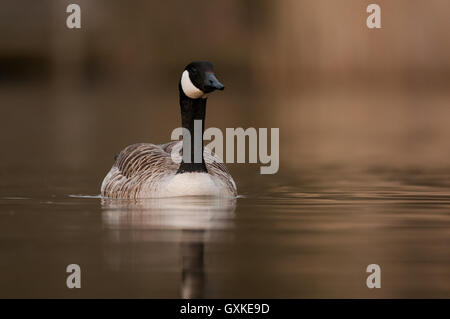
(309, 231)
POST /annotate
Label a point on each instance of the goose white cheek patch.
(189, 88)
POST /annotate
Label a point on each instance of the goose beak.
(211, 83)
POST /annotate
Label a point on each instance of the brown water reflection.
(308, 231)
(191, 218)
(311, 236)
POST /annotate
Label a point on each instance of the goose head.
(198, 79)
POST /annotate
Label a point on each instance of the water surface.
(308, 239)
(363, 179)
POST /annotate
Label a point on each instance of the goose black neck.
(192, 112)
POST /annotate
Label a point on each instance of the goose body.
(149, 171)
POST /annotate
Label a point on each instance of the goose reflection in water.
(187, 222)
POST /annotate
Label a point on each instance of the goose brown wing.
(218, 169)
(134, 166)
(143, 158)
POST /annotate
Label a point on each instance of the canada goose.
(147, 170)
